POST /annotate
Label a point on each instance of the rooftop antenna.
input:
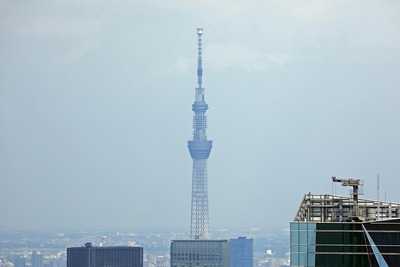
(378, 210)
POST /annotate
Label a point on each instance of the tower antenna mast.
(199, 148)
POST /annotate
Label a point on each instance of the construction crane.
(355, 183)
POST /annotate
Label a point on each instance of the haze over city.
(95, 109)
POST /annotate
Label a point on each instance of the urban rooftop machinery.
(334, 208)
(355, 183)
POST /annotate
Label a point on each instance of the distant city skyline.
(156, 245)
(95, 109)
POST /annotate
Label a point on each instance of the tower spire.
(199, 60)
(199, 149)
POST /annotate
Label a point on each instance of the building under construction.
(331, 230)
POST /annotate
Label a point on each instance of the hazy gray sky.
(95, 108)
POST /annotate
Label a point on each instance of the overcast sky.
(95, 109)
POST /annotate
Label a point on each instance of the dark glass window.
(347, 227)
(321, 260)
(339, 260)
(331, 260)
(339, 238)
(330, 238)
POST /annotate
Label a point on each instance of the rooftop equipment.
(356, 184)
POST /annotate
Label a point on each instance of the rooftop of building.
(199, 240)
(89, 245)
(335, 208)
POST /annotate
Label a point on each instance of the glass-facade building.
(241, 252)
(36, 259)
(199, 253)
(118, 256)
(323, 235)
(20, 262)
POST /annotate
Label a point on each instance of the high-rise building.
(198, 252)
(117, 256)
(36, 259)
(241, 252)
(199, 149)
(332, 230)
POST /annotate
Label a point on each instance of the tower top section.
(199, 89)
(200, 106)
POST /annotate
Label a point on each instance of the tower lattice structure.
(199, 149)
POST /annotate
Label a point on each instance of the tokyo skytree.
(199, 149)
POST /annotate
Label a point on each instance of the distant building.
(331, 230)
(241, 252)
(200, 252)
(36, 259)
(121, 256)
(48, 264)
(20, 261)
